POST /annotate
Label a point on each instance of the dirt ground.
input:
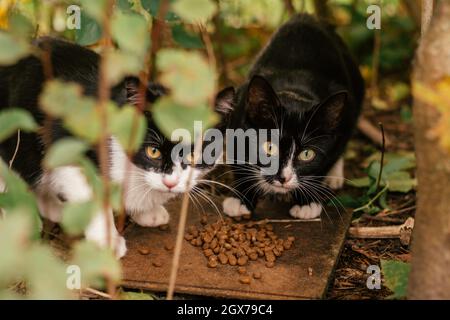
(350, 276)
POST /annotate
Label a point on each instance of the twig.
(98, 293)
(289, 7)
(289, 220)
(103, 154)
(372, 132)
(382, 218)
(403, 232)
(158, 26)
(375, 63)
(371, 201)
(15, 150)
(181, 228)
(142, 103)
(399, 211)
(383, 142)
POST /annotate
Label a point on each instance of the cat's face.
(307, 132)
(157, 166)
(164, 170)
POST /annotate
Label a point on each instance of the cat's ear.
(153, 91)
(224, 102)
(332, 109)
(261, 100)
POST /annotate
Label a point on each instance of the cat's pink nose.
(286, 179)
(170, 183)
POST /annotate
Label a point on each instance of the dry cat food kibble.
(238, 244)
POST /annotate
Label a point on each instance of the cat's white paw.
(311, 211)
(49, 208)
(97, 232)
(233, 207)
(118, 242)
(156, 217)
(335, 178)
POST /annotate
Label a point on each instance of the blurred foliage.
(237, 30)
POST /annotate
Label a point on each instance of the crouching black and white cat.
(154, 176)
(305, 84)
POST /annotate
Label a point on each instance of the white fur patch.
(156, 217)
(71, 185)
(67, 182)
(335, 178)
(97, 232)
(233, 207)
(311, 211)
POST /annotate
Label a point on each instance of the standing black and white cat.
(154, 176)
(305, 84)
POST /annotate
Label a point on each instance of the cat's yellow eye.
(270, 148)
(153, 153)
(306, 155)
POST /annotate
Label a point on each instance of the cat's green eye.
(153, 153)
(270, 148)
(306, 155)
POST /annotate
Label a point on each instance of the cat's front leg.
(157, 216)
(68, 184)
(335, 177)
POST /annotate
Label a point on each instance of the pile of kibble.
(233, 243)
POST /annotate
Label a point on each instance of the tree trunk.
(430, 274)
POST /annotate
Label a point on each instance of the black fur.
(21, 84)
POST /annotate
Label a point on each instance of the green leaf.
(194, 11)
(79, 114)
(191, 83)
(12, 49)
(348, 201)
(46, 275)
(96, 264)
(90, 31)
(67, 151)
(77, 216)
(124, 122)
(398, 91)
(169, 116)
(152, 7)
(400, 162)
(21, 26)
(95, 9)
(18, 197)
(359, 182)
(396, 276)
(121, 64)
(401, 181)
(186, 39)
(130, 31)
(60, 98)
(12, 120)
(15, 233)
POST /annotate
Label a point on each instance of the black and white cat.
(305, 84)
(154, 176)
